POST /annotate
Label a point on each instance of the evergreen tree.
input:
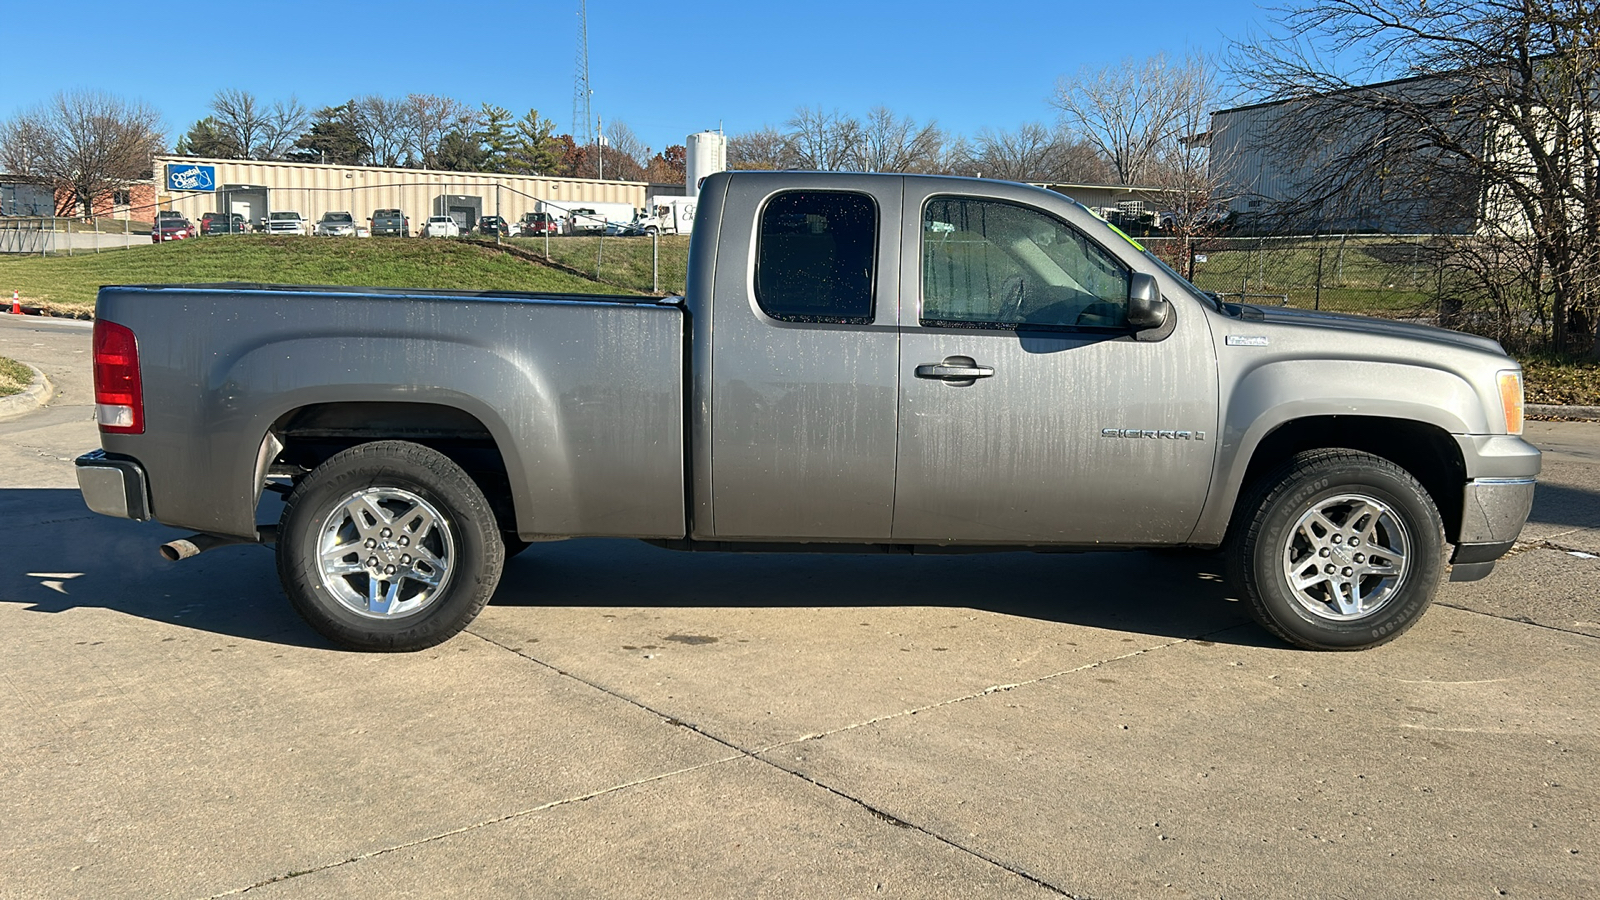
(206, 138)
(332, 139)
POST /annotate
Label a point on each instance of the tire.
(513, 544)
(386, 501)
(1301, 550)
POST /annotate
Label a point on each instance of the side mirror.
(1146, 309)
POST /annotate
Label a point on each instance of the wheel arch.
(305, 436)
(1427, 451)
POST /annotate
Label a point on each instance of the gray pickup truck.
(903, 363)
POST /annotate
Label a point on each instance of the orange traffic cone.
(16, 304)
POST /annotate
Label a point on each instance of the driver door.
(1016, 360)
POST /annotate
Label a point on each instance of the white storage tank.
(707, 154)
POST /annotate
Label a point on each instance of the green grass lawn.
(14, 376)
(68, 284)
(624, 262)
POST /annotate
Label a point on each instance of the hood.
(1305, 318)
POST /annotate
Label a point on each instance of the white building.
(252, 188)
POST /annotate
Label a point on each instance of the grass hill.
(67, 285)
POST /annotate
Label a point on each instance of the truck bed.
(581, 396)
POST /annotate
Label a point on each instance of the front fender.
(1274, 394)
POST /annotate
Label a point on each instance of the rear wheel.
(1337, 550)
(388, 546)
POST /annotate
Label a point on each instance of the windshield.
(337, 217)
(285, 217)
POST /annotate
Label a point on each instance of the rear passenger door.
(805, 358)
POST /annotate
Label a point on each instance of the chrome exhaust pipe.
(196, 544)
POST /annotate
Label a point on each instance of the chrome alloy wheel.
(1346, 557)
(385, 553)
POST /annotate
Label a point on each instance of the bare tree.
(955, 157)
(626, 156)
(764, 148)
(240, 120)
(85, 144)
(888, 144)
(1137, 113)
(430, 118)
(824, 141)
(384, 126)
(1032, 152)
(285, 122)
(1493, 128)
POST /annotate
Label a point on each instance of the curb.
(35, 395)
(47, 313)
(1580, 413)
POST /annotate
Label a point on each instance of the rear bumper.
(113, 486)
(1493, 511)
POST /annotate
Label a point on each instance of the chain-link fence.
(1397, 276)
(64, 235)
(1459, 281)
(648, 264)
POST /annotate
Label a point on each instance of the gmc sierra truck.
(900, 363)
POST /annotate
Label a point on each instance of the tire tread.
(1256, 504)
(400, 458)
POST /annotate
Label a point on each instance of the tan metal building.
(252, 188)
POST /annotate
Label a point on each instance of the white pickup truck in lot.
(285, 223)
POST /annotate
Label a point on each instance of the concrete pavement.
(627, 721)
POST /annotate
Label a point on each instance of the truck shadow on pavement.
(1559, 504)
(72, 559)
(1179, 596)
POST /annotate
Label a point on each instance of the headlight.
(1511, 399)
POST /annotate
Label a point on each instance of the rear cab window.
(816, 257)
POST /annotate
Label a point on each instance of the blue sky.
(664, 69)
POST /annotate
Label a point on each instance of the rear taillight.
(118, 392)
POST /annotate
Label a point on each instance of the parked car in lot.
(222, 223)
(390, 222)
(441, 226)
(908, 363)
(171, 228)
(489, 225)
(336, 224)
(285, 223)
(585, 221)
(539, 223)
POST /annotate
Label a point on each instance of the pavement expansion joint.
(760, 754)
(993, 689)
(1520, 620)
(601, 792)
(1549, 544)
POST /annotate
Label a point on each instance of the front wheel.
(1337, 550)
(388, 546)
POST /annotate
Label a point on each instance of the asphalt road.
(624, 721)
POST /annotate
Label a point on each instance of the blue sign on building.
(181, 177)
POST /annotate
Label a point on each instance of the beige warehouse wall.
(312, 189)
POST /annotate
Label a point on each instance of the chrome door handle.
(955, 368)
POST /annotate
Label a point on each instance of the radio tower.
(582, 118)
